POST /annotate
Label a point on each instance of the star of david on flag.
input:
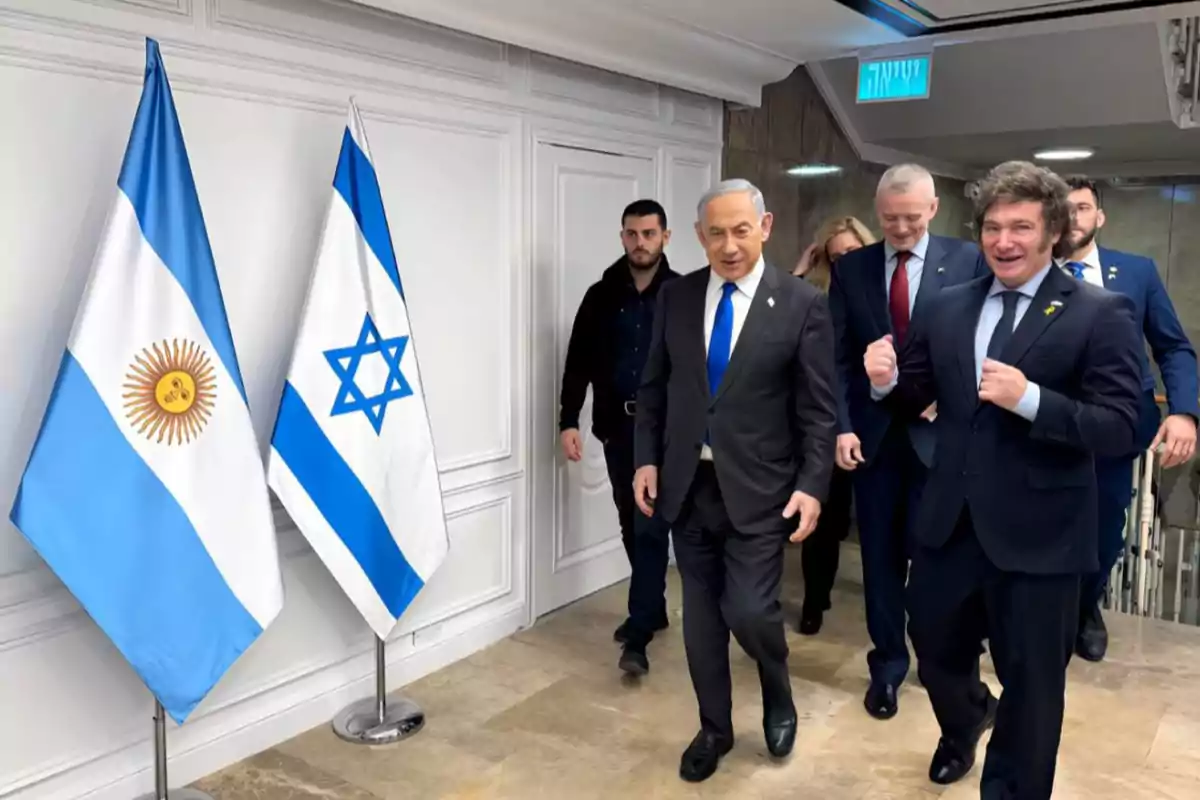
(346, 362)
(352, 456)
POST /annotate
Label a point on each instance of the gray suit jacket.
(771, 425)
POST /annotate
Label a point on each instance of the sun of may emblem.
(170, 391)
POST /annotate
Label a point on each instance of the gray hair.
(903, 178)
(732, 186)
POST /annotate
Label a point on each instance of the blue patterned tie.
(1076, 269)
(720, 343)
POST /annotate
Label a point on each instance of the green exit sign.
(900, 78)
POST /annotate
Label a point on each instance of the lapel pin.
(771, 302)
(1054, 306)
(941, 269)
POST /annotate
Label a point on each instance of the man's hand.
(645, 489)
(1002, 384)
(809, 509)
(849, 451)
(1177, 435)
(880, 362)
(572, 444)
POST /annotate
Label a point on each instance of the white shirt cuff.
(1027, 406)
(879, 394)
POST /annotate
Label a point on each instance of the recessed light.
(814, 170)
(1064, 154)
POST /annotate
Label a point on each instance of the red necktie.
(898, 298)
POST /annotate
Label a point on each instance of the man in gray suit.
(735, 438)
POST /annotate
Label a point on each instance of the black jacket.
(1030, 487)
(772, 422)
(592, 351)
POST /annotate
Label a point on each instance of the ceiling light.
(1063, 154)
(814, 170)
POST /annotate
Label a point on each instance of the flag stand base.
(160, 765)
(375, 721)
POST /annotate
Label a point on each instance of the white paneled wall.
(261, 87)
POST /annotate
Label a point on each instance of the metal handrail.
(1139, 582)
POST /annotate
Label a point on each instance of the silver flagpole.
(375, 720)
(160, 764)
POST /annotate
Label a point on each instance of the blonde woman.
(834, 239)
(819, 556)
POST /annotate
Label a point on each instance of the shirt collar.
(747, 284)
(1090, 259)
(1029, 288)
(919, 249)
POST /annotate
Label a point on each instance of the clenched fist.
(1001, 384)
(880, 362)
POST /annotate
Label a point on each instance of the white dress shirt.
(913, 267)
(747, 285)
(1092, 271)
(989, 318)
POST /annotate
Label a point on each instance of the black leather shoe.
(810, 622)
(881, 701)
(701, 757)
(1092, 641)
(780, 733)
(952, 761)
(633, 661)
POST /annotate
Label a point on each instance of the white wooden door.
(579, 196)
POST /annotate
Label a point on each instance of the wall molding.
(667, 51)
(310, 81)
(461, 55)
(269, 53)
(178, 8)
(292, 706)
(34, 605)
(403, 639)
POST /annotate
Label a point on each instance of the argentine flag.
(352, 455)
(145, 491)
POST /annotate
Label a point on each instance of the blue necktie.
(1076, 269)
(721, 341)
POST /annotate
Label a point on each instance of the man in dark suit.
(734, 441)
(1034, 374)
(1154, 315)
(886, 288)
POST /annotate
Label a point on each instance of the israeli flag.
(352, 456)
(145, 491)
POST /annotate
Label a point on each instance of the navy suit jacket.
(1030, 487)
(858, 303)
(1154, 315)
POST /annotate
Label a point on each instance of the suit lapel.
(1045, 309)
(932, 279)
(965, 347)
(694, 320)
(876, 293)
(757, 318)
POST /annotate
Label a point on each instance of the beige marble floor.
(545, 714)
